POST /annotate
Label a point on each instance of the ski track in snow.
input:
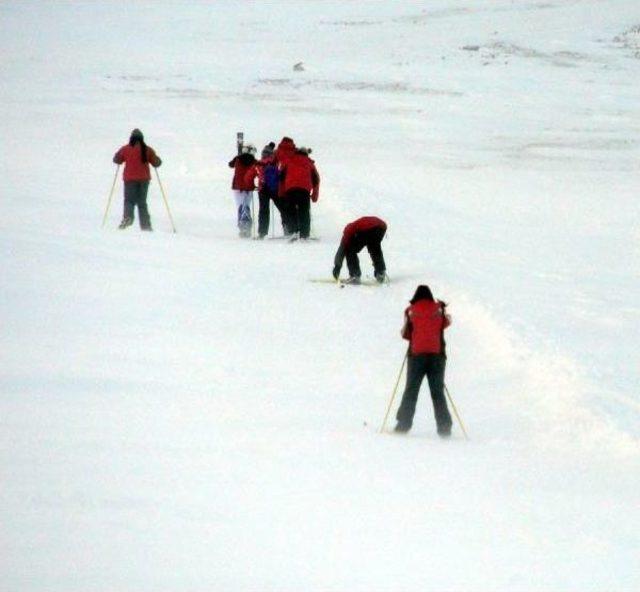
(188, 411)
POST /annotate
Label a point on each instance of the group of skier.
(289, 178)
(286, 176)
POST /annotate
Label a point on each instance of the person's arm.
(337, 260)
(315, 181)
(154, 159)
(405, 332)
(118, 158)
(232, 162)
(446, 317)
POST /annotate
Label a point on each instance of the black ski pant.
(264, 214)
(298, 208)
(371, 239)
(135, 194)
(431, 365)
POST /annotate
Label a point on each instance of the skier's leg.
(375, 250)
(243, 205)
(279, 203)
(353, 263)
(304, 213)
(407, 409)
(239, 199)
(129, 203)
(295, 212)
(288, 214)
(245, 215)
(435, 374)
(263, 214)
(143, 210)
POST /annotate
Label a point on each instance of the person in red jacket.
(367, 231)
(424, 323)
(284, 152)
(137, 157)
(300, 183)
(243, 187)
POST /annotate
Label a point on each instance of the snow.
(185, 412)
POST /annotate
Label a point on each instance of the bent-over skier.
(367, 231)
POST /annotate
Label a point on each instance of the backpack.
(271, 180)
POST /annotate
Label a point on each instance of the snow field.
(188, 411)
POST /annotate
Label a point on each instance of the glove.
(336, 273)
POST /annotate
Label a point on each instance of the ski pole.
(164, 197)
(393, 395)
(455, 411)
(253, 219)
(273, 219)
(115, 178)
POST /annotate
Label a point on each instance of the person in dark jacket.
(424, 323)
(367, 231)
(137, 157)
(300, 183)
(266, 170)
(243, 187)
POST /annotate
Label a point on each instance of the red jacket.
(257, 170)
(241, 165)
(360, 225)
(284, 151)
(300, 173)
(134, 168)
(424, 325)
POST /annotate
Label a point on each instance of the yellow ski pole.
(113, 186)
(393, 395)
(164, 197)
(455, 411)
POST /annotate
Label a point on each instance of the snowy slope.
(188, 412)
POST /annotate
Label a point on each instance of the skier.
(136, 156)
(242, 187)
(301, 185)
(285, 150)
(367, 231)
(424, 325)
(266, 170)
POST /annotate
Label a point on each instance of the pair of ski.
(294, 238)
(350, 282)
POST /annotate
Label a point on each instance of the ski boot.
(381, 277)
(352, 279)
(126, 222)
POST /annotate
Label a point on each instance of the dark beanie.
(268, 150)
(136, 134)
(422, 293)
